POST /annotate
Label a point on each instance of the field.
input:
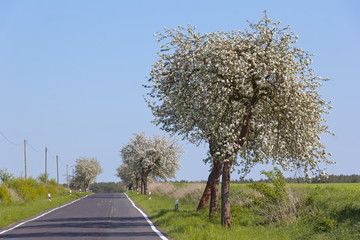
(306, 211)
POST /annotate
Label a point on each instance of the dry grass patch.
(14, 196)
(190, 191)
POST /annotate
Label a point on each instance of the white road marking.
(148, 220)
(18, 225)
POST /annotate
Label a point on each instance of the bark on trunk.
(207, 192)
(214, 200)
(144, 185)
(213, 180)
(86, 186)
(225, 194)
(137, 183)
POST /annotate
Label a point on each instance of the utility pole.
(67, 175)
(45, 165)
(57, 167)
(25, 158)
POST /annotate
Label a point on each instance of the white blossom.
(203, 86)
(143, 156)
(86, 170)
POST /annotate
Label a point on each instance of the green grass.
(329, 211)
(21, 210)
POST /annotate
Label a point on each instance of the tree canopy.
(205, 86)
(142, 157)
(250, 94)
(128, 176)
(86, 170)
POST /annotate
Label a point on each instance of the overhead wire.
(28, 143)
(7, 139)
(31, 147)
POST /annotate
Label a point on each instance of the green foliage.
(51, 189)
(108, 187)
(5, 176)
(41, 190)
(5, 196)
(42, 177)
(52, 182)
(326, 225)
(25, 188)
(29, 189)
(270, 200)
(275, 192)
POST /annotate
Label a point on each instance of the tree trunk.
(214, 201)
(144, 184)
(207, 192)
(86, 184)
(213, 179)
(137, 184)
(225, 194)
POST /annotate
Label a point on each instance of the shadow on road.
(72, 235)
(98, 216)
(84, 227)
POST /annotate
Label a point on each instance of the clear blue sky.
(71, 75)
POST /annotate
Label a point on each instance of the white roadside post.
(70, 192)
(149, 195)
(49, 195)
(176, 205)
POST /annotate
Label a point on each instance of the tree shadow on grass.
(348, 213)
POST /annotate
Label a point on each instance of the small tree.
(86, 170)
(5, 176)
(246, 93)
(43, 178)
(129, 176)
(157, 157)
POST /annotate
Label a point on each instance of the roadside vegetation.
(108, 187)
(273, 210)
(22, 198)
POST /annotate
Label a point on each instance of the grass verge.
(18, 211)
(327, 211)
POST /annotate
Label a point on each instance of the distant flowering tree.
(86, 170)
(250, 94)
(157, 157)
(130, 177)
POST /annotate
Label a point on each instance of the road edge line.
(147, 219)
(41, 215)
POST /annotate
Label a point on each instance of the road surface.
(98, 216)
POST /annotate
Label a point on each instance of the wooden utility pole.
(45, 165)
(67, 175)
(25, 158)
(57, 167)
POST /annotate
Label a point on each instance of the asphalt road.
(98, 216)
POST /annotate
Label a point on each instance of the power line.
(7, 139)
(50, 154)
(33, 147)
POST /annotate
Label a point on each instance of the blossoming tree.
(86, 170)
(130, 177)
(157, 157)
(251, 95)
